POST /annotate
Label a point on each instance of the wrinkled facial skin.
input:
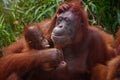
(64, 31)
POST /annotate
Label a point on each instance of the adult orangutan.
(46, 28)
(83, 47)
(33, 63)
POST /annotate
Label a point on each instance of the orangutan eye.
(59, 19)
(67, 19)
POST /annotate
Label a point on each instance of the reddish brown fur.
(117, 42)
(87, 50)
(15, 47)
(13, 76)
(111, 71)
(20, 45)
(34, 37)
(113, 66)
(108, 38)
(44, 27)
(99, 72)
(88, 45)
(114, 69)
(32, 63)
(29, 65)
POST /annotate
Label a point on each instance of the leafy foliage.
(15, 14)
(105, 13)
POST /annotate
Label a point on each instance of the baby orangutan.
(32, 36)
(33, 63)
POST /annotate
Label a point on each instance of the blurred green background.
(15, 14)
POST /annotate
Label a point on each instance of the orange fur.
(16, 47)
(108, 38)
(117, 42)
(87, 49)
(99, 72)
(111, 71)
(32, 63)
(20, 45)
